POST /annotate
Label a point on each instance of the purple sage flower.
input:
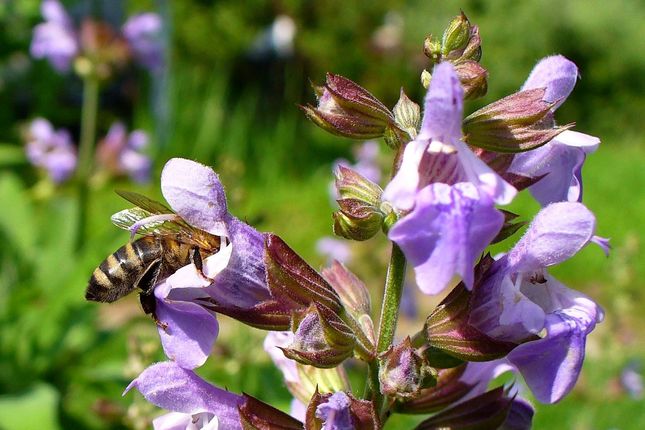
(632, 380)
(196, 404)
(55, 39)
(560, 160)
(143, 33)
(445, 192)
(237, 271)
(51, 150)
(122, 153)
(519, 300)
(335, 412)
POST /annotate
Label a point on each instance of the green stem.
(391, 299)
(86, 153)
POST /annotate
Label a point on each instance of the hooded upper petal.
(171, 387)
(195, 192)
(444, 234)
(556, 233)
(557, 74)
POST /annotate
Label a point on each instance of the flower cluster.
(441, 212)
(94, 43)
(117, 154)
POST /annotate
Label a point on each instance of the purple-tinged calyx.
(347, 109)
(402, 371)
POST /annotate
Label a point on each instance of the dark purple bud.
(519, 122)
(448, 330)
(347, 109)
(402, 372)
(340, 411)
(449, 388)
(257, 415)
(486, 411)
(322, 339)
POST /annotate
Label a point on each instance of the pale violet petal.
(556, 233)
(196, 194)
(401, 191)
(557, 74)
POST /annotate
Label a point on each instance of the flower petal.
(402, 189)
(243, 282)
(335, 412)
(171, 387)
(443, 106)
(551, 366)
(189, 334)
(557, 74)
(557, 233)
(196, 194)
(444, 234)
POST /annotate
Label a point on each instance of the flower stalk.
(86, 152)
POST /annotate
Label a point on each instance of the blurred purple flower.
(121, 153)
(409, 302)
(632, 380)
(335, 412)
(197, 405)
(519, 300)
(195, 193)
(334, 249)
(50, 149)
(55, 39)
(143, 33)
(559, 161)
(446, 193)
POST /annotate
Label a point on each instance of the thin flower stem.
(391, 299)
(86, 153)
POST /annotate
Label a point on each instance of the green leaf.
(35, 409)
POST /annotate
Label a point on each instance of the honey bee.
(167, 243)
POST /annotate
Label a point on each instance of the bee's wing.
(150, 214)
(145, 203)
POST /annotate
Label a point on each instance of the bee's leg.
(149, 305)
(196, 259)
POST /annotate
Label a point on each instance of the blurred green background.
(65, 362)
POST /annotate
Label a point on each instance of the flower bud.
(448, 389)
(432, 49)
(356, 299)
(321, 339)
(456, 35)
(103, 48)
(360, 216)
(407, 115)
(474, 79)
(402, 371)
(516, 123)
(347, 109)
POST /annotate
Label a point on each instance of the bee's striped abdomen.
(119, 273)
